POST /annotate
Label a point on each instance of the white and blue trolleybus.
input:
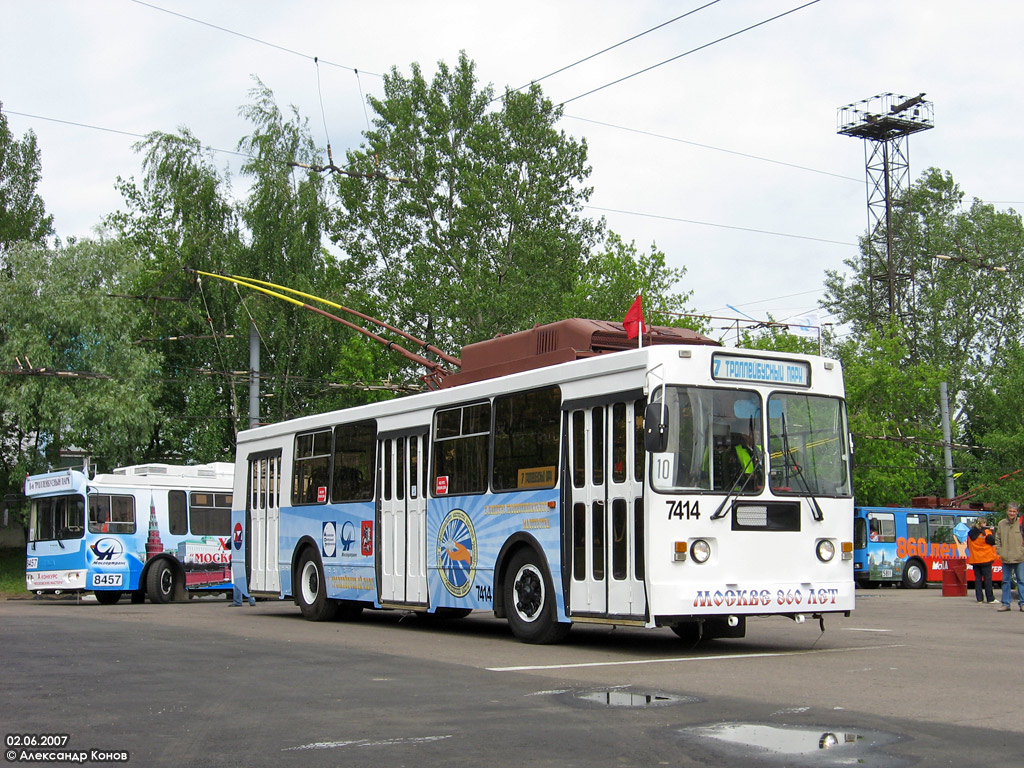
(155, 530)
(562, 476)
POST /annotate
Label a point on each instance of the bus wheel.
(914, 575)
(160, 583)
(529, 600)
(312, 591)
(107, 596)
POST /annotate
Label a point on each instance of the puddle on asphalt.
(622, 697)
(798, 745)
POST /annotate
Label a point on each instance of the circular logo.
(237, 536)
(330, 539)
(456, 553)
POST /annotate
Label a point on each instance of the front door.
(403, 520)
(606, 511)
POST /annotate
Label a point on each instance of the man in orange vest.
(981, 551)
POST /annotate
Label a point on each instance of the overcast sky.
(727, 157)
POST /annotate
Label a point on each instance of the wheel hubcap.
(529, 589)
(310, 583)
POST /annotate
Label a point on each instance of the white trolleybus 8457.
(562, 476)
(155, 530)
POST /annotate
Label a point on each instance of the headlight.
(700, 551)
(826, 550)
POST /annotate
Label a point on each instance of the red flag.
(634, 320)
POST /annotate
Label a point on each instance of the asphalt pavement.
(911, 678)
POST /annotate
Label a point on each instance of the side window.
(940, 529)
(460, 453)
(111, 513)
(526, 428)
(354, 446)
(917, 527)
(312, 467)
(210, 513)
(177, 512)
(882, 527)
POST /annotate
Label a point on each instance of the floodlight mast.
(884, 122)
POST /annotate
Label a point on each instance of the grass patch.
(12, 572)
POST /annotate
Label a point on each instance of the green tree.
(181, 214)
(466, 219)
(953, 314)
(893, 412)
(23, 220)
(60, 317)
(285, 217)
(613, 275)
(23, 215)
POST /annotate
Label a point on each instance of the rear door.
(263, 510)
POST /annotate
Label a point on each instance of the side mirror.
(655, 431)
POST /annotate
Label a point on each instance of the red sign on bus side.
(441, 486)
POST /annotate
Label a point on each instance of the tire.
(108, 596)
(311, 589)
(160, 582)
(914, 575)
(530, 601)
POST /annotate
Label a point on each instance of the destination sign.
(786, 372)
(42, 484)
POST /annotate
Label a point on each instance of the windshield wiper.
(797, 471)
(755, 457)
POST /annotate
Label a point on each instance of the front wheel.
(311, 590)
(108, 596)
(160, 582)
(914, 575)
(530, 602)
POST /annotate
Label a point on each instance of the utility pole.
(947, 450)
(254, 376)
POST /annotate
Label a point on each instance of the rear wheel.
(530, 601)
(160, 582)
(311, 590)
(914, 575)
(108, 596)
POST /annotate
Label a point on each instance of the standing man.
(1010, 548)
